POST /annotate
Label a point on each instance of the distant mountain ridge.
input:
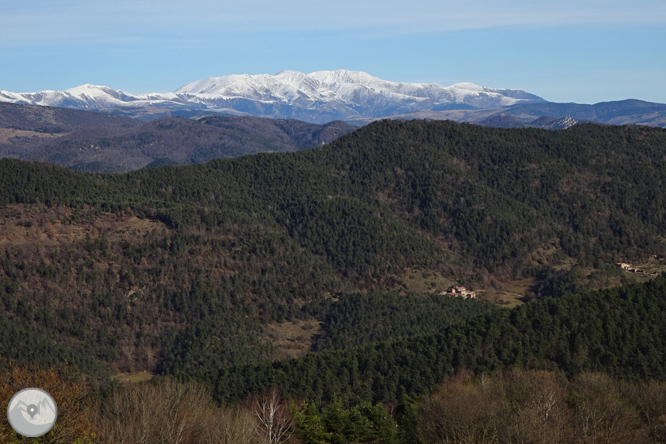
(354, 97)
(56, 120)
(94, 142)
(176, 140)
(318, 97)
(546, 122)
(623, 112)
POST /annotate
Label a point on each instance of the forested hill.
(495, 195)
(620, 331)
(185, 268)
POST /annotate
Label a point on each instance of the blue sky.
(583, 51)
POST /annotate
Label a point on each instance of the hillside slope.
(177, 140)
(621, 112)
(88, 141)
(56, 120)
(140, 269)
(620, 331)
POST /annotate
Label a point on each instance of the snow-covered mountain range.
(317, 97)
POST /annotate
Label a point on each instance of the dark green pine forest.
(202, 271)
(621, 331)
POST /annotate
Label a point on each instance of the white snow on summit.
(347, 86)
(319, 96)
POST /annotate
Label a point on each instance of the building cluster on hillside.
(459, 291)
(628, 267)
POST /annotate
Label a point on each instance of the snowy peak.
(80, 97)
(93, 91)
(318, 97)
(96, 95)
(348, 86)
(344, 76)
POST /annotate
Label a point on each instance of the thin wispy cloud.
(570, 50)
(48, 22)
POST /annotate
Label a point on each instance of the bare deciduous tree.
(462, 412)
(649, 398)
(171, 412)
(601, 415)
(273, 422)
(539, 413)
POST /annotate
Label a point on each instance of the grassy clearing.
(424, 281)
(10, 135)
(514, 292)
(133, 377)
(293, 339)
(22, 225)
(511, 295)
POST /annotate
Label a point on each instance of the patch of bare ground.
(10, 135)
(423, 281)
(133, 377)
(510, 295)
(22, 225)
(515, 292)
(293, 339)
